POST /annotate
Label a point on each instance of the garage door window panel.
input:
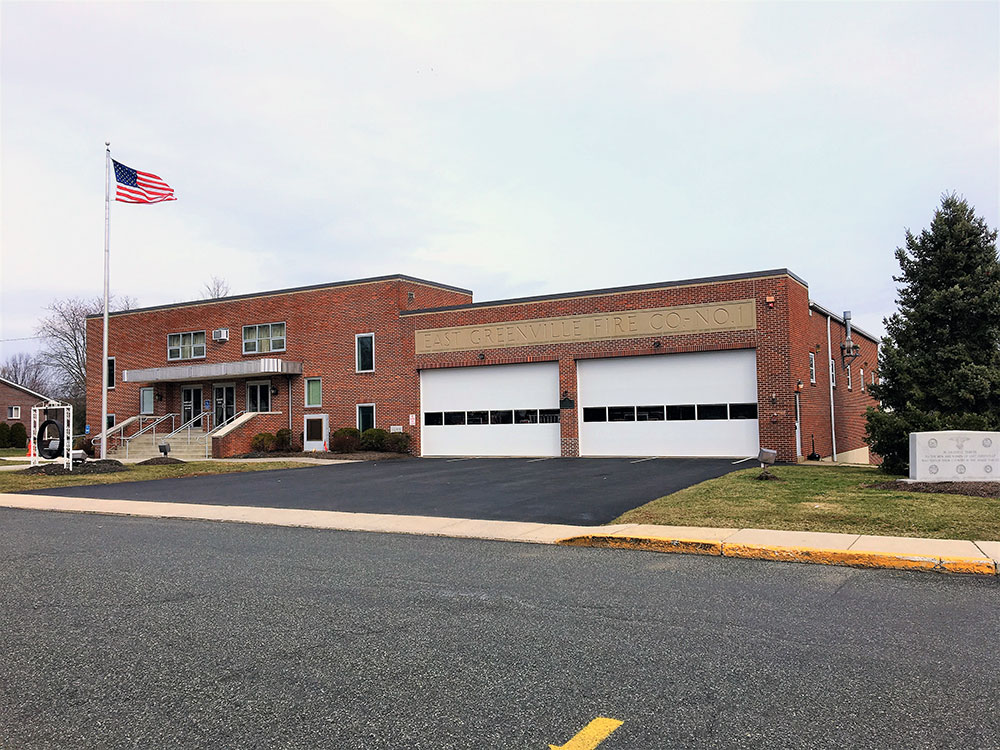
(434, 418)
(680, 412)
(477, 417)
(713, 411)
(649, 413)
(621, 413)
(454, 417)
(548, 416)
(595, 414)
(743, 411)
(502, 417)
(526, 416)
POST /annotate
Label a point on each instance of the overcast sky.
(510, 148)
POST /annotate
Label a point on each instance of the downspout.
(833, 424)
(289, 382)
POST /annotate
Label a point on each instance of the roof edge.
(613, 290)
(289, 290)
(829, 313)
(20, 387)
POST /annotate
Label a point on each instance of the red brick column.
(569, 437)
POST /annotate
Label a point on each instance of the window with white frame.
(145, 400)
(850, 383)
(812, 368)
(111, 372)
(264, 337)
(190, 345)
(833, 374)
(13, 412)
(861, 370)
(314, 391)
(111, 421)
(365, 352)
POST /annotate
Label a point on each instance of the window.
(258, 396)
(525, 416)
(186, 345)
(874, 381)
(680, 412)
(111, 372)
(621, 413)
(743, 411)
(861, 377)
(365, 352)
(145, 400)
(111, 421)
(366, 416)
(266, 337)
(314, 391)
(477, 417)
(502, 417)
(548, 416)
(812, 368)
(850, 384)
(833, 374)
(649, 413)
(433, 418)
(713, 411)
(13, 412)
(454, 417)
(595, 414)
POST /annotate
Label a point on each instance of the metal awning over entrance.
(218, 371)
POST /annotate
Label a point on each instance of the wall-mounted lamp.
(657, 344)
(798, 386)
(769, 301)
(481, 356)
(158, 396)
(274, 390)
(848, 350)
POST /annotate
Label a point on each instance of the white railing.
(207, 437)
(112, 433)
(149, 427)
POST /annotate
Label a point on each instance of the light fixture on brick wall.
(481, 356)
(769, 300)
(848, 350)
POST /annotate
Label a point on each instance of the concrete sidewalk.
(855, 550)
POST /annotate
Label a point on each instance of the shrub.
(345, 440)
(374, 439)
(18, 436)
(263, 442)
(398, 442)
(283, 439)
(4, 435)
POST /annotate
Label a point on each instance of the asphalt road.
(579, 491)
(138, 633)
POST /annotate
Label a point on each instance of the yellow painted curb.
(887, 560)
(652, 544)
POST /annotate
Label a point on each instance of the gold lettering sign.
(740, 315)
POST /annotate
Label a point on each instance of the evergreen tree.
(939, 363)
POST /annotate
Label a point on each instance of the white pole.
(104, 348)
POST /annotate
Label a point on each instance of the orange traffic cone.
(31, 447)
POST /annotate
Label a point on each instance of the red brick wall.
(238, 441)
(10, 396)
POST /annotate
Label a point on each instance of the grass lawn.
(13, 452)
(822, 498)
(15, 481)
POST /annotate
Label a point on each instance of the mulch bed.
(975, 489)
(106, 466)
(160, 461)
(357, 456)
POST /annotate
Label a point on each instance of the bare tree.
(65, 332)
(27, 370)
(215, 288)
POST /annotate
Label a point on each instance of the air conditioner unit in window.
(220, 334)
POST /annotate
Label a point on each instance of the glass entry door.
(225, 403)
(190, 405)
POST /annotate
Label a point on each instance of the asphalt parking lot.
(584, 491)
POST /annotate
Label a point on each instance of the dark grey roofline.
(20, 387)
(311, 287)
(612, 290)
(822, 310)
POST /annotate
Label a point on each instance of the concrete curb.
(855, 559)
(853, 550)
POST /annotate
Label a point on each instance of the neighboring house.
(716, 366)
(16, 402)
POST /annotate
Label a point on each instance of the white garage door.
(697, 404)
(493, 410)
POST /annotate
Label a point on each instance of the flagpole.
(104, 349)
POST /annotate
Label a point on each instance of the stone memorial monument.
(955, 456)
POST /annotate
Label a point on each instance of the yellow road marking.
(591, 735)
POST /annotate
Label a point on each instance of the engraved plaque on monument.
(955, 456)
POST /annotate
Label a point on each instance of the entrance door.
(315, 432)
(190, 405)
(225, 403)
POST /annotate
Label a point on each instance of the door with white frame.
(315, 432)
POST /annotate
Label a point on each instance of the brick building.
(703, 367)
(16, 402)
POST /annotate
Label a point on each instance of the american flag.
(140, 187)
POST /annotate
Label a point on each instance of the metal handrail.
(205, 415)
(110, 432)
(150, 426)
(217, 427)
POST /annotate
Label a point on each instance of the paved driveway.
(568, 490)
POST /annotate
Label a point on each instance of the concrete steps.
(145, 446)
